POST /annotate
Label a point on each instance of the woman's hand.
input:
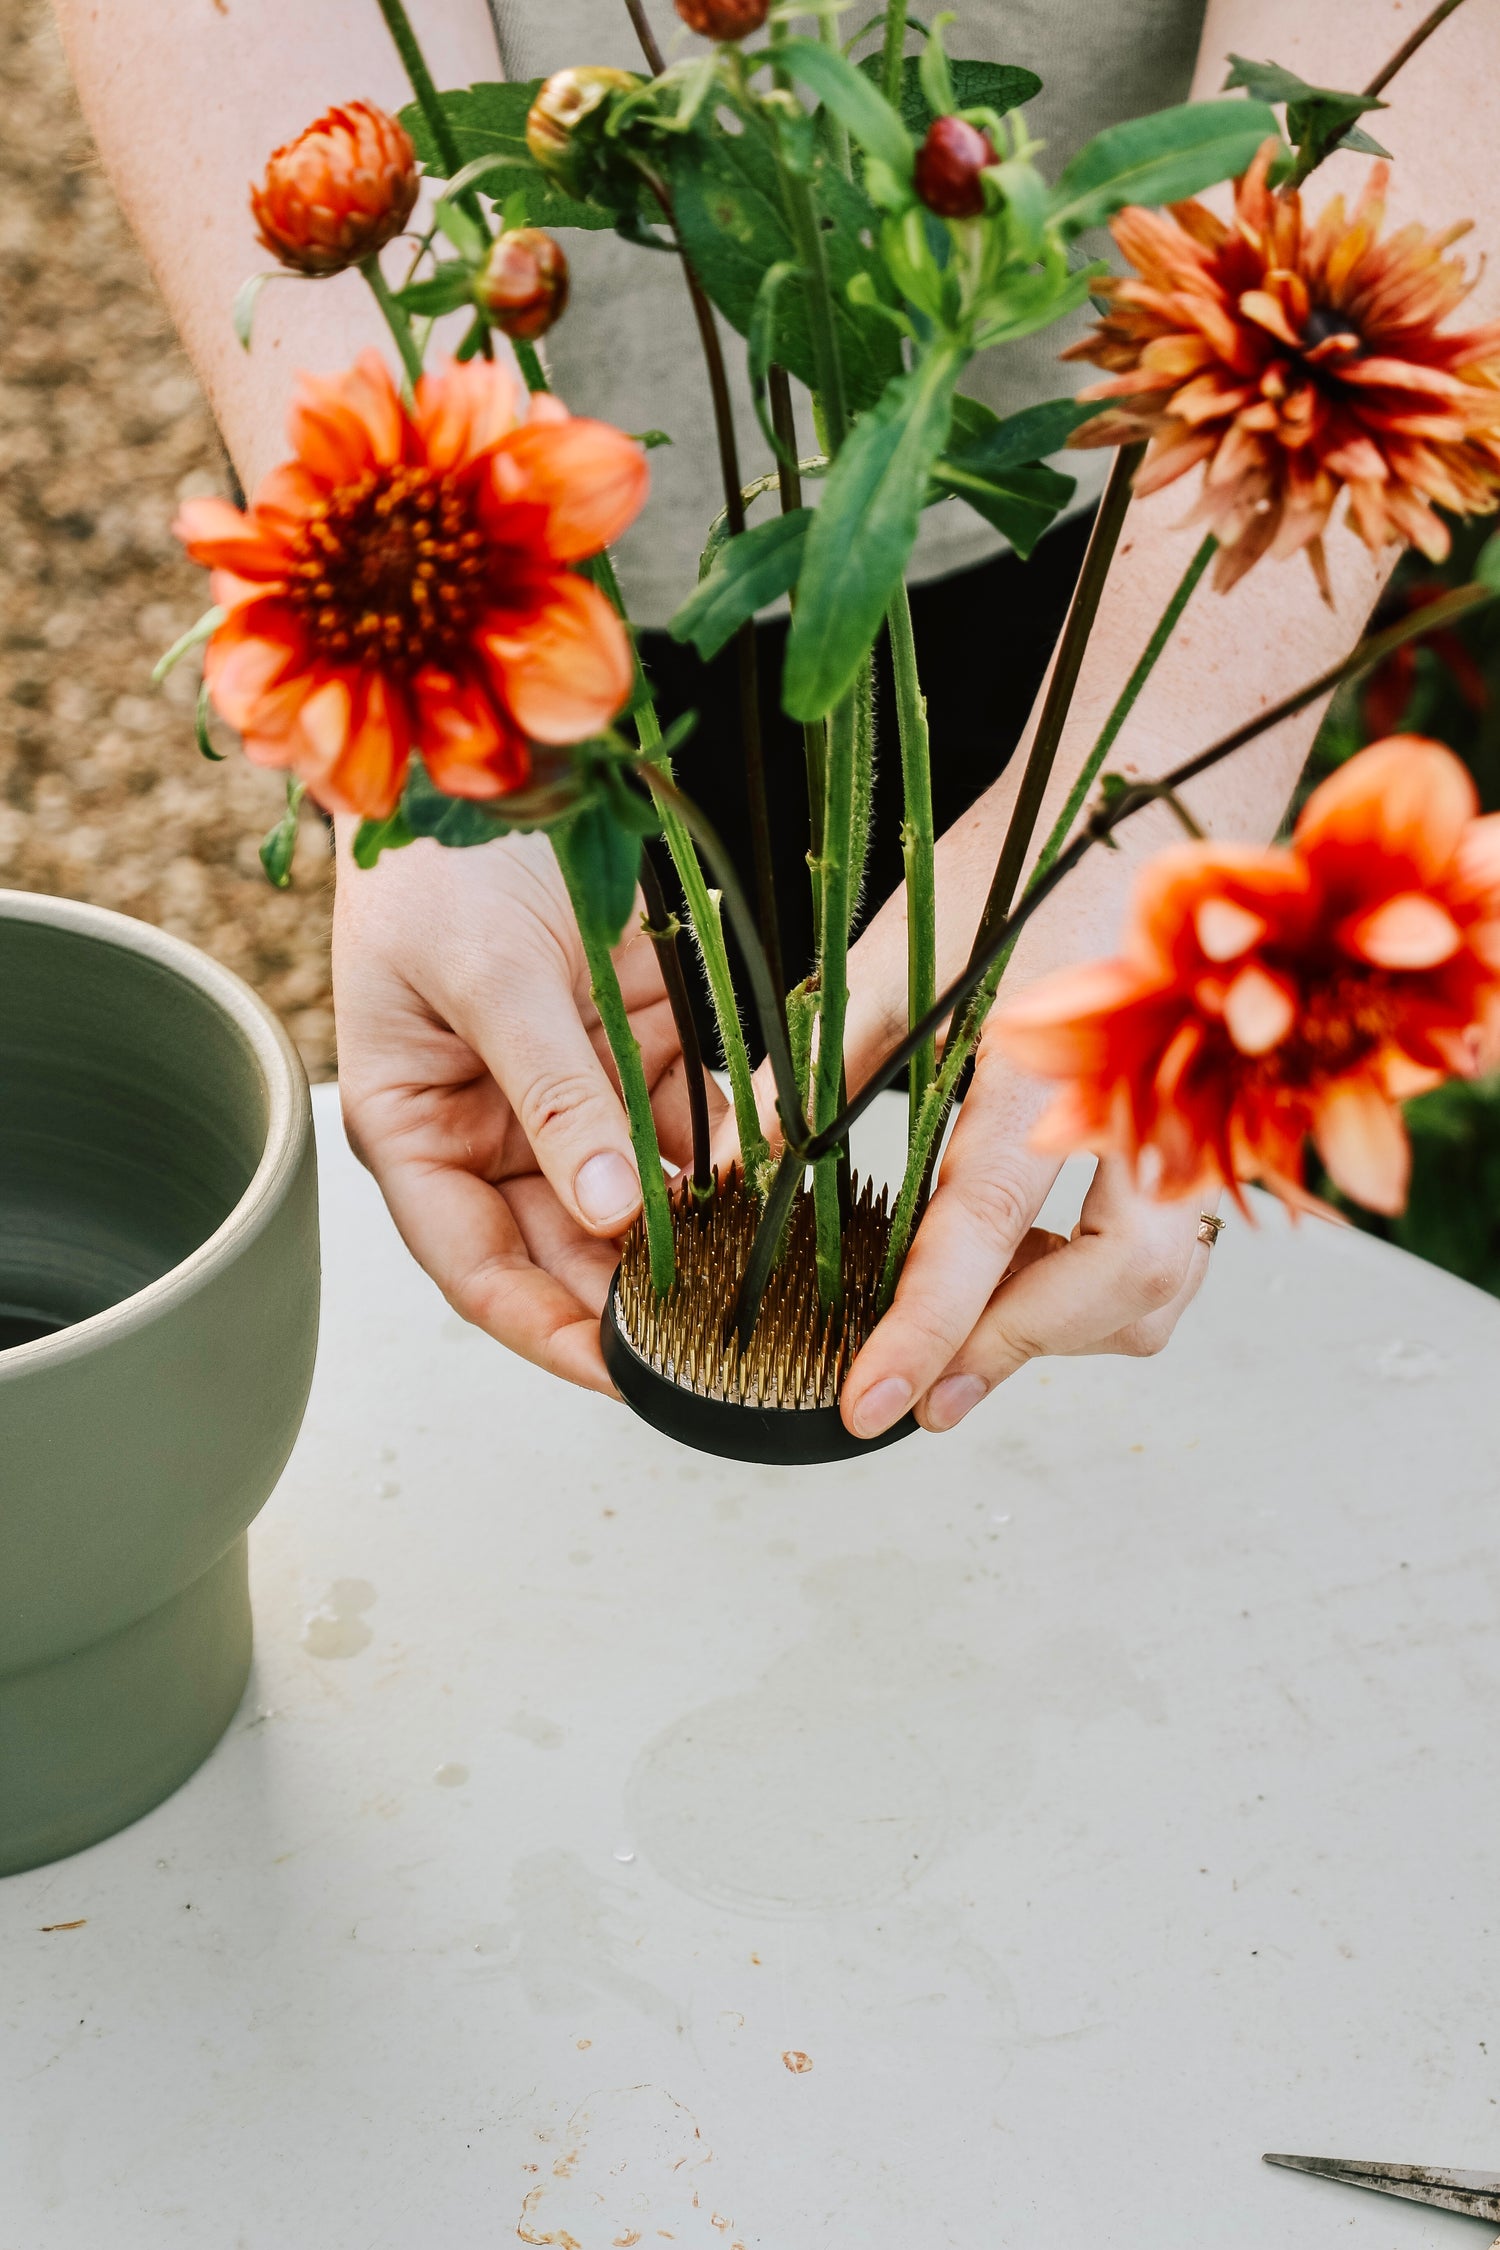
(478, 1088)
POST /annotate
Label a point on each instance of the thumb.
(533, 1042)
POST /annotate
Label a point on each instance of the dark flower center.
(1322, 322)
(1342, 1020)
(393, 570)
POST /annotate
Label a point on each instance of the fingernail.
(949, 1401)
(881, 1405)
(606, 1188)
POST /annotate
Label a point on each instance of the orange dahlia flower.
(404, 584)
(1265, 995)
(337, 193)
(1297, 359)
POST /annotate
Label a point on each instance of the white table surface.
(998, 1843)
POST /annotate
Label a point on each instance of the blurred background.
(102, 793)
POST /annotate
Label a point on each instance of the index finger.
(462, 1231)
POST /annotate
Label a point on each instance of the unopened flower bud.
(339, 192)
(565, 124)
(949, 163)
(522, 286)
(723, 19)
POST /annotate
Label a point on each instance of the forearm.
(1234, 653)
(186, 102)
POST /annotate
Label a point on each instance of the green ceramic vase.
(158, 1320)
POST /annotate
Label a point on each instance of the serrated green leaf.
(490, 120)
(854, 99)
(748, 571)
(608, 857)
(976, 85)
(1159, 159)
(279, 847)
(726, 195)
(862, 534)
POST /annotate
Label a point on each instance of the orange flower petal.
(341, 425)
(466, 743)
(564, 667)
(222, 538)
(1363, 1144)
(1409, 931)
(1405, 798)
(590, 479)
(464, 409)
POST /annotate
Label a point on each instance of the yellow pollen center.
(1340, 1022)
(393, 570)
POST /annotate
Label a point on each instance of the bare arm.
(1134, 1266)
(186, 99)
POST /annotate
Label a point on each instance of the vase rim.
(288, 1121)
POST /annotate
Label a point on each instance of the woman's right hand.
(477, 1085)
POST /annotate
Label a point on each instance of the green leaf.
(936, 73)
(200, 727)
(976, 85)
(1159, 159)
(1487, 563)
(442, 292)
(490, 120)
(649, 440)
(372, 837)
(458, 822)
(607, 856)
(206, 626)
(854, 100)
(1020, 499)
(279, 847)
(748, 571)
(1318, 118)
(1020, 438)
(726, 194)
(762, 348)
(861, 535)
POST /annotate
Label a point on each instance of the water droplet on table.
(624, 1855)
(336, 1627)
(451, 1776)
(1408, 1362)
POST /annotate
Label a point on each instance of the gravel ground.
(102, 429)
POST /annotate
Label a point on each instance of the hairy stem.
(892, 49)
(1409, 46)
(664, 930)
(833, 975)
(604, 987)
(917, 845)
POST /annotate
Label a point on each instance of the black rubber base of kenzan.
(773, 1436)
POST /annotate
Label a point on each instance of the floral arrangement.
(418, 619)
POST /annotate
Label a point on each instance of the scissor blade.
(1476, 2194)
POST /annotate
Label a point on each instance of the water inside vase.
(23, 1324)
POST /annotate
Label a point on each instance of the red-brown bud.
(522, 286)
(723, 19)
(949, 163)
(337, 193)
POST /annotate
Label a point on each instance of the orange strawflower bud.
(565, 124)
(337, 193)
(949, 163)
(723, 19)
(522, 287)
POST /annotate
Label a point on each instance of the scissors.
(1475, 2194)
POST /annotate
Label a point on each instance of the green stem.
(395, 320)
(927, 1123)
(604, 987)
(827, 367)
(529, 361)
(703, 914)
(836, 129)
(414, 63)
(892, 50)
(833, 978)
(917, 846)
